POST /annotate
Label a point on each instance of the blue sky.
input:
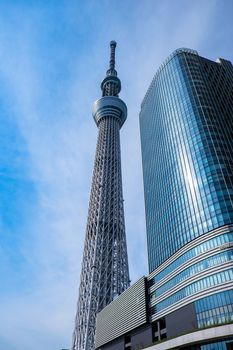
(53, 56)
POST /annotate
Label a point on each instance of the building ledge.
(195, 337)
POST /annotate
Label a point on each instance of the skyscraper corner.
(104, 272)
(186, 125)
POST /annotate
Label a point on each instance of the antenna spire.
(111, 85)
(113, 45)
(111, 71)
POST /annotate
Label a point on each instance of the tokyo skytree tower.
(105, 272)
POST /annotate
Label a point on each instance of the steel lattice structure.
(104, 273)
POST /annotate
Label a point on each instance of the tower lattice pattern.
(104, 272)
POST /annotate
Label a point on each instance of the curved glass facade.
(193, 253)
(214, 309)
(195, 287)
(186, 124)
(226, 344)
(195, 269)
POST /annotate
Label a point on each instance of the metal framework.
(104, 273)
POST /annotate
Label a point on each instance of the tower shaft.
(104, 271)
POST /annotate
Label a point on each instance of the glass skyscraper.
(186, 124)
